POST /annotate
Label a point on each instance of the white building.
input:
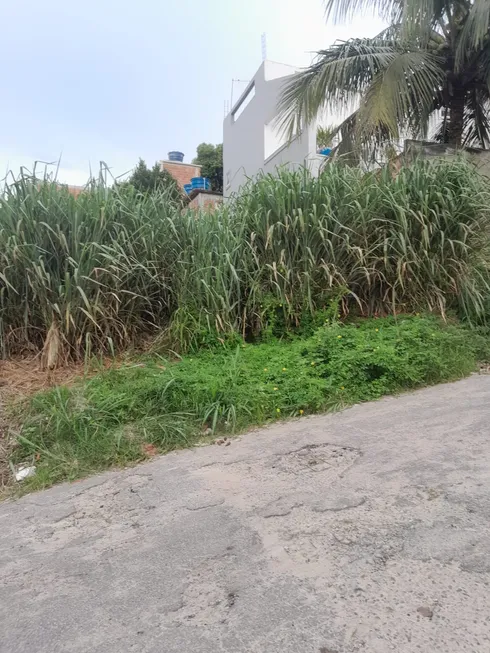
(251, 139)
(252, 142)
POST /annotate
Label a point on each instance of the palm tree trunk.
(454, 132)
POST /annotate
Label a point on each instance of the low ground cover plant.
(158, 404)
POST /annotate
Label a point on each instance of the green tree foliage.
(210, 158)
(145, 179)
(434, 56)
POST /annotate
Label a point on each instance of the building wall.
(205, 201)
(252, 141)
(181, 172)
(426, 150)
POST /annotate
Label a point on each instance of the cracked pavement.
(365, 530)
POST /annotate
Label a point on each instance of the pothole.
(318, 458)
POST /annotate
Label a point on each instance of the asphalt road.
(368, 530)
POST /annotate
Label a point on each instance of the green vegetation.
(147, 180)
(122, 415)
(291, 299)
(433, 57)
(115, 268)
(325, 136)
(210, 158)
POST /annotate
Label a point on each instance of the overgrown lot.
(123, 415)
(113, 268)
(302, 295)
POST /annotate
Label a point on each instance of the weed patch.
(119, 416)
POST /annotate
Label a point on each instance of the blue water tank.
(187, 188)
(176, 156)
(201, 183)
(325, 151)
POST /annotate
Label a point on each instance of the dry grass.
(23, 377)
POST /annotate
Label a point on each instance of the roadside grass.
(154, 405)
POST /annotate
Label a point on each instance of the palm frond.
(476, 122)
(475, 31)
(416, 17)
(434, 55)
(336, 79)
(419, 18)
(403, 93)
(345, 10)
(481, 65)
(441, 132)
(395, 83)
(358, 146)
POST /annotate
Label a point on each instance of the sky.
(113, 81)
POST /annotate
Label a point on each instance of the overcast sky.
(115, 80)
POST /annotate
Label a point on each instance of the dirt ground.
(362, 531)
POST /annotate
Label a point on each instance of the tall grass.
(95, 266)
(109, 268)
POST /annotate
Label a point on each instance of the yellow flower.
(283, 369)
(376, 330)
(339, 337)
(301, 411)
(313, 363)
(275, 388)
(342, 387)
(265, 369)
(278, 410)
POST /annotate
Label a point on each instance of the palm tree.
(434, 57)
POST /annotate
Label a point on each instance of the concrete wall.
(425, 149)
(251, 140)
(206, 201)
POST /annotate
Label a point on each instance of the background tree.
(435, 56)
(145, 179)
(210, 158)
